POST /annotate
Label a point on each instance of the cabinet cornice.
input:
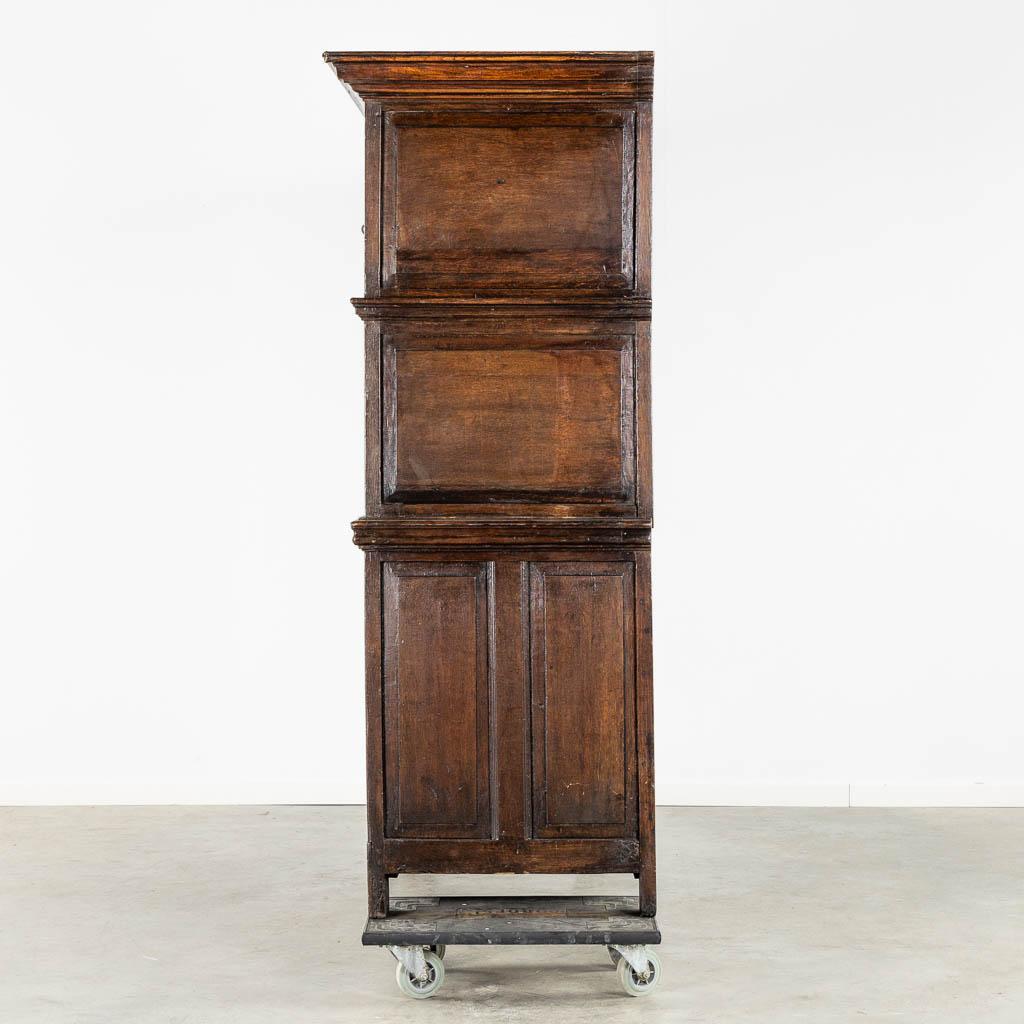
(544, 76)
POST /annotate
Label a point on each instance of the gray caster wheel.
(426, 986)
(640, 983)
(439, 949)
(614, 955)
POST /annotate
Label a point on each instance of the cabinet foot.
(378, 894)
(648, 893)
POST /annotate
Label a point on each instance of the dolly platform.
(418, 930)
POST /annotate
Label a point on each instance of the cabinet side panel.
(645, 733)
(377, 883)
(436, 700)
(372, 198)
(583, 707)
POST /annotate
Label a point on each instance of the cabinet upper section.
(503, 173)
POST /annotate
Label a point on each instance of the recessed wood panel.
(474, 201)
(583, 713)
(436, 700)
(508, 420)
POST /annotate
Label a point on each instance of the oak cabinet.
(508, 463)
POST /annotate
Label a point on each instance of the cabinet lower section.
(509, 719)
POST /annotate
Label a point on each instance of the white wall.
(839, 365)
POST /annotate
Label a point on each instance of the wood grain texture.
(377, 881)
(509, 496)
(645, 734)
(538, 308)
(374, 135)
(448, 77)
(491, 202)
(526, 537)
(484, 418)
(582, 697)
(437, 696)
(511, 747)
(535, 856)
(529, 417)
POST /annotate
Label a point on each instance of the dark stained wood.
(493, 201)
(508, 473)
(538, 308)
(523, 535)
(371, 223)
(374, 427)
(537, 856)
(377, 881)
(480, 418)
(583, 704)
(531, 405)
(437, 699)
(551, 77)
(642, 399)
(511, 747)
(645, 733)
(512, 920)
(642, 222)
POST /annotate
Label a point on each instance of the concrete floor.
(218, 915)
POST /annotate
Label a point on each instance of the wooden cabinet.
(508, 482)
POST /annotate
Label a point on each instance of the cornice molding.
(549, 76)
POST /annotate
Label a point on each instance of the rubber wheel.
(439, 949)
(417, 989)
(614, 955)
(636, 984)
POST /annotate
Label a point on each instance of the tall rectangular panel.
(583, 712)
(436, 699)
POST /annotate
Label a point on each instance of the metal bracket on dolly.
(635, 956)
(411, 958)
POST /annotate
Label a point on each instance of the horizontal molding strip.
(431, 307)
(410, 532)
